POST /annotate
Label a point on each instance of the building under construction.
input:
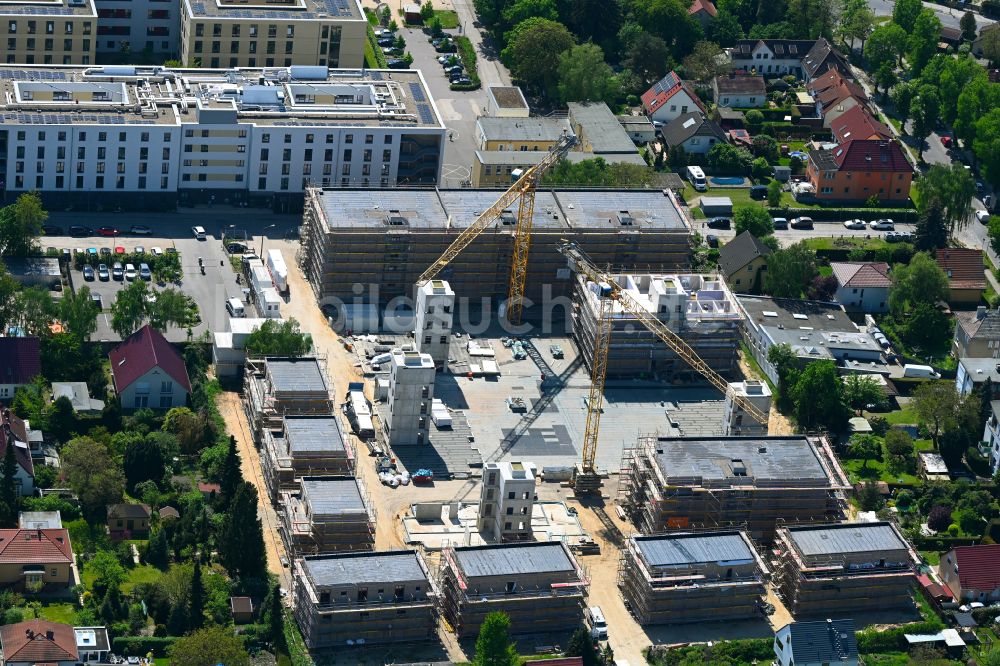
(540, 586)
(304, 446)
(844, 568)
(363, 598)
(692, 577)
(329, 515)
(746, 482)
(699, 308)
(275, 387)
(384, 240)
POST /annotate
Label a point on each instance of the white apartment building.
(506, 500)
(411, 394)
(152, 137)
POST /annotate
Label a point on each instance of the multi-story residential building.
(153, 137)
(804, 58)
(977, 333)
(48, 32)
(136, 27)
(330, 514)
(506, 500)
(858, 170)
(275, 33)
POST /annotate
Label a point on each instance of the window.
(166, 387)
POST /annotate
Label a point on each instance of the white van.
(920, 372)
(235, 307)
(598, 625)
(697, 178)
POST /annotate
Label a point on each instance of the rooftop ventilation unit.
(507, 218)
(395, 219)
(625, 219)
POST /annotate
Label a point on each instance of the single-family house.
(972, 573)
(834, 94)
(704, 11)
(987, 34)
(803, 58)
(693, 132)
(670, 98)
(972, 374)
(862, 286)
(39, 520)
(209, 490)
(819, 643)
(639, 128)
(966, 274)
(990, 444)
(821, 58)
(859, 170)
(37, 642)
(36, 558)
(859, 123)
(128, 521)
(977, 333)
(739, 90)
(743, 261)
(147, 371)
(14, 432)
(20, 362)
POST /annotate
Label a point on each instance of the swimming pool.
(727, 180)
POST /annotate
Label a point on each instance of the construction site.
(750, 483)
(692, 577)
(844, 568)
(304, 446)
(328, 515)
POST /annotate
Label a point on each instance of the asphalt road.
(949, 17)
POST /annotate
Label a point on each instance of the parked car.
(139, 249)
(885, 224)
(758, 192)
(88, 273)
(386, 41)
(802, 223)
(199, 232)
(720, 223)
(946, 141)
(232, 248)
(91, 252)
(780, 223)
(462, 81)
(95, 298)
(140, 230)
(454, 69)
(156, 251)
(79, 231)
(397, 63)
(107, 231)
(982, 216)
(130, 272)
(105, 251)
(144, 272)
(117, 272)
(712, 240)
(446, 47)
(854, 224)
(103, 274)
(51, 230)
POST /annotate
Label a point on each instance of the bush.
(140, 645)
(872, 641)
(467, 52)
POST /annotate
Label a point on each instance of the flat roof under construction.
(354, 568)
(313, 434)
(740, 460)
(330, 496)
(513, 559)
(296, 375)
(845, 538)
(671, 550)
(402, 209)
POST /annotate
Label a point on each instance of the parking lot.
(209, 291)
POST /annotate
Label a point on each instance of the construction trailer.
(304, 446)
(364, 599)
(697, 307)
(330, 514)
(539, 585)
(692, 577)
(275, 387)
(385, 239)
(844, 568)
(677, 483)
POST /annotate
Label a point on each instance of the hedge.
(141, 645)
(376, 51)
(899, 253)
(872, 641)
(942, 544)
(783, 129)
(467, 53)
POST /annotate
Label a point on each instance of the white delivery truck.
(920, 372)
(279, 272)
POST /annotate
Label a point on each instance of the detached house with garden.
(149, 372)
(859, 170)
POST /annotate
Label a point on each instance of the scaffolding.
(266, 407)
(282, 470)
(307, 531)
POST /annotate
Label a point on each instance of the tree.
(196, 599)
(129, 311)
(990, 44)
(885, 46)
(61, 419)
(21, 225)
(493, 645)
(936, 404)
(976, 99)
(275, 338)
(857, 20)
(926, 328)
(170, 307)
(885, 78)
(905, 12)
(789, 271)
(107, 570)
(706, 61)
(232, 473)
(208, 647)
(92, 473)
(35, 311)
(939, 518)
(786, 367)
(526, 41)
(725, 30)
(522, 10)
(584, 76)
(931, 231)
(597, 173)
(158, 550)
(901, 96)
(241, 546)
(823, 288)
(865, 447)
(920, 281)
(987, 144)
(78, 313)
(9, 490)
(953, 187)
(143, 461)
(670, 21)
(898, 443)
(760, 169)
(274, 618)
(819, 398)
(753, 218)
(869, 499)
(968, 25)
(647, 57)
(924, 111)
(923, 40)
(811, 19)
(727, 158)
(861, 391)
(774, 194)
(754, 120)
(582, 645)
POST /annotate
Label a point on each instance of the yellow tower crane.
(522, 191)
(611, 292)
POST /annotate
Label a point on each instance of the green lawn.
(932, 556)
(825, 271)
(875, 471)
(140, 574)
(448, 18)
(64, 613)
(906, 416)
(846, 243)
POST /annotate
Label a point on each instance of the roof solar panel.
(425, 113)
(417, 92)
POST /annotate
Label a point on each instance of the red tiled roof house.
(31, 557)
(149, 372)
(39, 642)
(670, 98)
(966, 275)
(20, 362)
(972, 573)
(704, 11)
(858, 170)
(862, 287)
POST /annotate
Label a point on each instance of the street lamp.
(270, 226)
